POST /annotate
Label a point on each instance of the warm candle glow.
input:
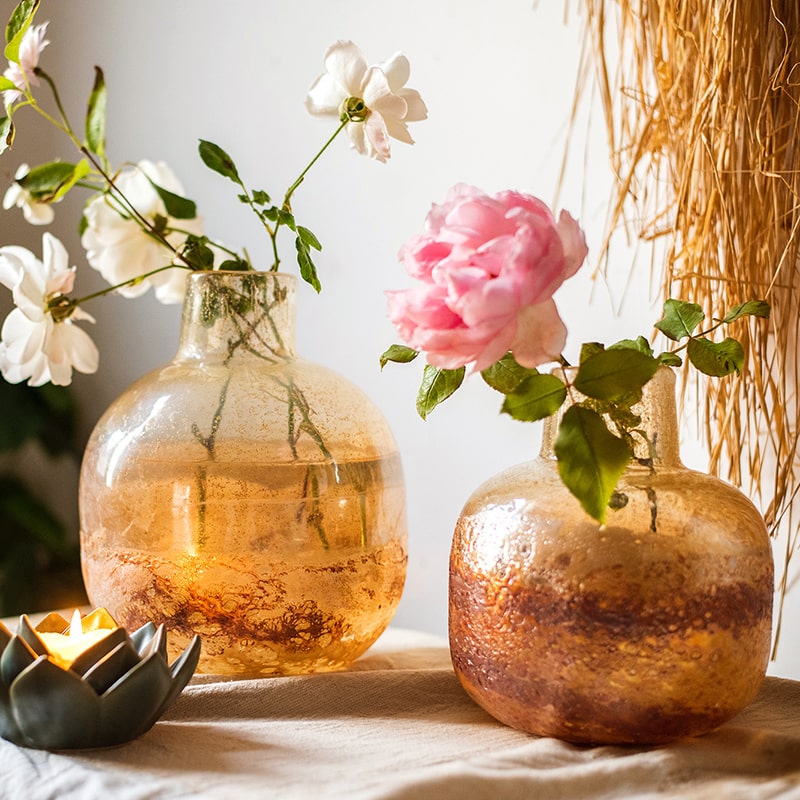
(64, 648)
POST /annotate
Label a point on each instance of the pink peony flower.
(488, 266)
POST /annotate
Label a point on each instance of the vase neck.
(238, 315)
(659, 421)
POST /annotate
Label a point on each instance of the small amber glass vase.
(653, 627)
(246, 495)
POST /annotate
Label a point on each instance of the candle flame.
(75, 627)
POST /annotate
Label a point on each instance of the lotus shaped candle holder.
(88, 683)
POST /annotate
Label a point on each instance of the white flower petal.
(416, 110)
(345, 62)
(324, 97)
(397, 71)
(69, 347)
(38, 213)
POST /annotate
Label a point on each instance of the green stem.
(291, 190)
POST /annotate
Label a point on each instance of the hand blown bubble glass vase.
(246, 495)
(652, 627)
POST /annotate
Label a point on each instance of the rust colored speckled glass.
(651, 628)
(246, 495)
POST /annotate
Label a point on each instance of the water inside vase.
(280, 567)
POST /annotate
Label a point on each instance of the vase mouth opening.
(229, 274)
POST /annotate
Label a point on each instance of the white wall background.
(498, 80)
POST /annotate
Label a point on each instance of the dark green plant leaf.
(96, 115)
(590, 459)
(234, 265)
(680, 319)
(260, 198)
(716, 358)
(176, 206)
(537, 397)
(589, 349)
(399, 354)
(639, 343)
(20, 21)
(48, 182)
(612, 374)
(506, 374)
(46, 413)
(215, 158)
(670, 359)
(286, 218)
(308, 238)
(437, 385)
(197, 253)
(308, 272)
(752, 308)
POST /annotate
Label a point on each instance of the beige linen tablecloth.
(399, 726)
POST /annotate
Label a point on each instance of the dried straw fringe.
(702, 105)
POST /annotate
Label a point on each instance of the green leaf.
(49, 182)
(537, 397)
(590, 459)
(752, 308)
(260, 198)
(639, 343)
(96, 115)
(670, 359)
(308, 237)
(437, 385)
(589, 349)
(234, 265)
(6, 84)
(176, 206)
(215, 158)
(308, 272)
(506, 374)
(716, 358)
(197, 252)
(20, 21)
(6, 133)
(612, 374)
(286, 218)
(398, 354)
(680, 319)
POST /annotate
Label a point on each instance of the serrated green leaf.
(260, 198)
(176, 206)
(215, 158)
(612, 374)
(96, 115)
(308, 238)
(716, 358)
(589, 349)
(680, 319)
(437, 385)
(590, 459)
(270, 214)
(18, 24)
(398, 354)
(308, 272)
(639, 343)
(537, 397)
(506, 374)
(752, 308)
(670, 359)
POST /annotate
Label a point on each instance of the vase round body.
(245, 495)
(653, 627)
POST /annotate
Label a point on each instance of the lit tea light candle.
(64, 648)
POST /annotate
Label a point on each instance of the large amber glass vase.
(246, 495)
(653, 627)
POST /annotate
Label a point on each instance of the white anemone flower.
(389, 105)
(22, 73)
(34, 345)
(34, 212)
(118, 248)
